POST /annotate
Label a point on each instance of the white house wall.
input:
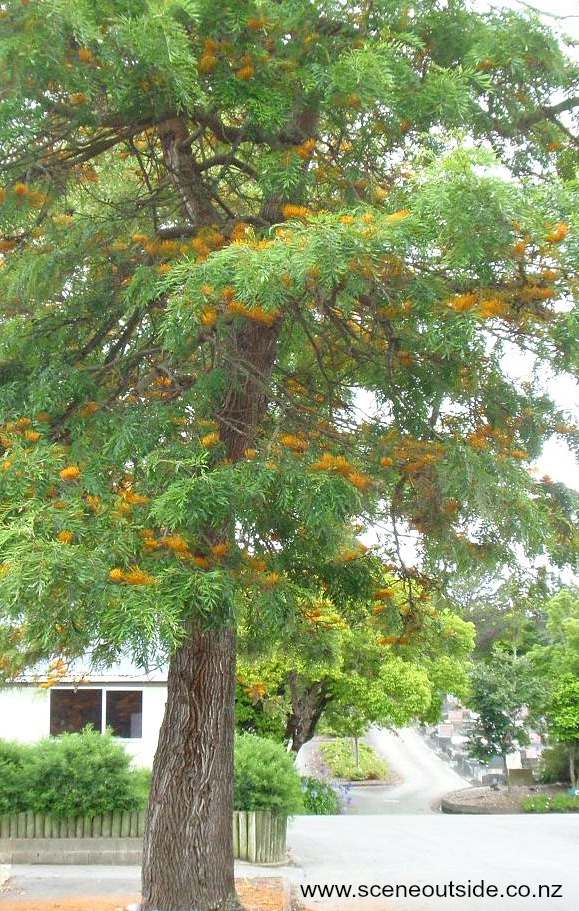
(25, 716)
(24, 713)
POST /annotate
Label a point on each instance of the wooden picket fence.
(258, 836)
(118, 824)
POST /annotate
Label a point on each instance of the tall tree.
(216, 230)
(503, 689)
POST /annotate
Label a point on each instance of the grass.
(339, 756)
(551, 803)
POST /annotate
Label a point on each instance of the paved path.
(425, 776)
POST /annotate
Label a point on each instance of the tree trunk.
(188, 849)
(506, 770)
(307, 707)
(573, 754)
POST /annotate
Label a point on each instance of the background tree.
(215, 232)
(350, 664)
(502, 690)
(563, 720)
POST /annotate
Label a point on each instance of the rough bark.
(307, 707)
(188, 851)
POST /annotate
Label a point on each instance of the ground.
(256, 894)
(503, 800)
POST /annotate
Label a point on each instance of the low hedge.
(265, 777)
(70, 775)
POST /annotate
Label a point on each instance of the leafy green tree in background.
(563, 720)
(335, 669)
(502, 691)
(215, 231)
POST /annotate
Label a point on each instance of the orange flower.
(219, 550)
(384, 593)
(558, 233)
(246, 72)
(176, 543)
(293, 442)
(31, 435)
(70, 473)
(136, 576)
(201, 562)
(209, 439)
(386, 461)
(136, 498)
(289, 210)
(116, 574)
(208, 316)
(359, 480)
(65, 536)
(396, 216)
(462, 302)
(85, 55)
(207, 63)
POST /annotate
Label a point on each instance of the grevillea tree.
(266, 267)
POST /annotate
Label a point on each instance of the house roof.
(82, 670)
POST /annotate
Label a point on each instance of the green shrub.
(71, 775)
(265, 777)
(551, 803)
(554, 764)
(15, 761)
(320, 798)
(340, 758)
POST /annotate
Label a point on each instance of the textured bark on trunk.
(307, 707)
(188, 850)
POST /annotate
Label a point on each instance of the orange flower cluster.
(383, 593)
(340, 465)
(396, 216)
(289, 210)
(558, 233)
(210, 439)
(132, 576)
(255, 312)
(57, 669)
(70, 473)
(296, 443)
(461, 302)
(305, 149)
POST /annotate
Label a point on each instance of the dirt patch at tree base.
(489, 800)
(259, 894)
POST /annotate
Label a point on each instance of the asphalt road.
(425, 776)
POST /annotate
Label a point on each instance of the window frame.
(104, 689)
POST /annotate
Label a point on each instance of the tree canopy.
(265, 276)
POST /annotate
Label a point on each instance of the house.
(67, 698)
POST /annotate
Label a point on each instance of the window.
(125, 712)
(72, 710)
(121, 710)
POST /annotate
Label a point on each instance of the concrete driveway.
(425, 776)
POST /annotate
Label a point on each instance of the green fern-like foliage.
(264, 277)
